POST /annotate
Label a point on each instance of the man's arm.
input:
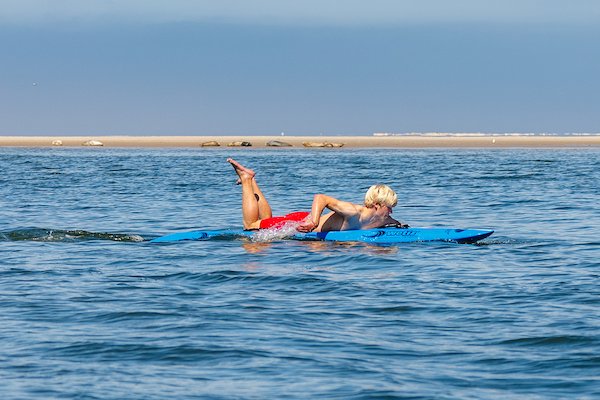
(322, 201)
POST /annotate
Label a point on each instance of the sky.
(232, 67)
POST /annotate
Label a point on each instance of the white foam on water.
(136, 238)
(282, 232)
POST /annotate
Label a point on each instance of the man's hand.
(306, 226)
(396, 224)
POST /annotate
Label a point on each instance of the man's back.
(363, 218)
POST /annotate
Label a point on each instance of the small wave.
(512, 241)
(551, 340)
(58, 235)
(508, 176)
(111, 350)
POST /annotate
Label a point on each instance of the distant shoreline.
(375, 141)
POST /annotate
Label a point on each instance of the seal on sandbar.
(239, 144)
(212, 143)
(278, 143)
(322, 144)
(92, 143)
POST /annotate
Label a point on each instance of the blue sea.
(91, 310)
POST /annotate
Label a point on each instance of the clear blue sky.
(183, 67)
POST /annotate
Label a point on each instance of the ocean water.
(90, 310)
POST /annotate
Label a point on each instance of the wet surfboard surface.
(379, 235)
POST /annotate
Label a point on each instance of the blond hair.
(381, 194)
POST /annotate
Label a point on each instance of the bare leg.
(254, 206)
(264, 208)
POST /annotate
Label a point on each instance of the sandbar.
(260, 142)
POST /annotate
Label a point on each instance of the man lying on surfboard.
(375, 213)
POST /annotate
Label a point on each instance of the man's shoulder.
(360, 209)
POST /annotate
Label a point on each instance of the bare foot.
(242, 171)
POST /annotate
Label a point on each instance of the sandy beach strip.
(260, 142)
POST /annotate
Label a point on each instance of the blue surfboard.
(379, 235)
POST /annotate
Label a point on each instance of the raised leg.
(254, 205)
(264, 208)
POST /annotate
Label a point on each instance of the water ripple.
(91, 310)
